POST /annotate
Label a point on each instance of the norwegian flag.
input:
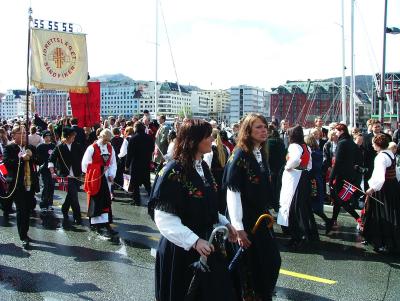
(3, 170)
(347, 192)
(62, 183)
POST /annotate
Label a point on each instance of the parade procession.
(120, 189)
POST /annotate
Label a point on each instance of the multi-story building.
(171, 102)
(117, 98)
(13, 104)
(247, 99)
(50, 103)
(144, 95)
(218, 105)
(199, 105)
(300, 102)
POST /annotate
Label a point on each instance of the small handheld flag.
(346, 192)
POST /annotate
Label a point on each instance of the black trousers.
(71, 200)
(22, 201)
(48, 189)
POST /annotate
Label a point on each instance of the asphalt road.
(80, 265)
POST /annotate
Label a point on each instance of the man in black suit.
(20, 160)
(66, 160)
(138, 157)
(318, 122)
(348, 156)
(80, 137)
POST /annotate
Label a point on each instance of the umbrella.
(201, 267)
(239, 253)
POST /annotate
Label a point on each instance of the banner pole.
(27, 73)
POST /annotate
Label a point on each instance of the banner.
(86, 106)
(59, 60)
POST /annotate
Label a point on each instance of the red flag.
(86, 106)
(346, 192)
(3, 169)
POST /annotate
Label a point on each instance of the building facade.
(117, 98)
(247, 99)
(13, 104)
(50, 103)
(199, 105)
(218, 105)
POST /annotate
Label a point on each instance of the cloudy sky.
(215, 43)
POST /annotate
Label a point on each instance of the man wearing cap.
(20, 160)
(66, 157)
(44, 150)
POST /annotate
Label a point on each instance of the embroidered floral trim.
(242, 163)
(193, 191)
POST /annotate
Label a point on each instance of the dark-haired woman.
(382, 222)
(295, 211)
(347, 157)
(186, 209)
(216, 160)
(248, 196)
(276, 160)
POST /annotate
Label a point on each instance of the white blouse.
(234, 201)
(88, 158)
(381, 162)
(171, 227)
(294, 157)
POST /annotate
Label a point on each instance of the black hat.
(46, 134)
(67, 131)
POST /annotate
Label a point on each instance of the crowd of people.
(206, 174)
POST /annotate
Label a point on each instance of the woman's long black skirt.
(173, 274)
(382, 222)
(302, 223)
(101, 202)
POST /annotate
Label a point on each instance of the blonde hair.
(311, 142)
(106, 133)
(220, 147)
(128, 131)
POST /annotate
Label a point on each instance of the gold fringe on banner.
(45, 86)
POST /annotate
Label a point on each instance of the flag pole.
(380, 202)
(27, 73)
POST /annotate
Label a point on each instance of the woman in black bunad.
(249, 194)
(186, 210)
(382, 222)
(296, 211)
(216, 160)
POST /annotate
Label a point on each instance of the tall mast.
(352, 80)
(344, 93)
(156, 74)
(383, 96)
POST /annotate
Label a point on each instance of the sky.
(215, 44)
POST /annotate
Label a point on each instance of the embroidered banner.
(59, 60)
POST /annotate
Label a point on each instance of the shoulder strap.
(392, 160)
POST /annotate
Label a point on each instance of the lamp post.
(395, 30)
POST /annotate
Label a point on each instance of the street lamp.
(392, 30)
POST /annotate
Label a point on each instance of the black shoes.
(328, 226)
(25, 243)
(111, 231)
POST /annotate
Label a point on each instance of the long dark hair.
(296, 135)
(244, 140)
(190, 134)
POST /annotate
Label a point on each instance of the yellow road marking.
(307, 277)
(153, 238)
